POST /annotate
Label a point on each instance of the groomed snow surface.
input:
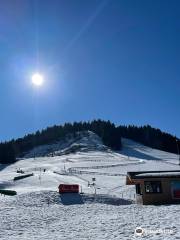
(39, 212)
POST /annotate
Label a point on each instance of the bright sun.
(37, 79)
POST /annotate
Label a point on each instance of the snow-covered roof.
(154, 174)
(159, 174)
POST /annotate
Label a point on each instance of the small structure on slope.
(8, 192)
(155, 187)
(23, 176)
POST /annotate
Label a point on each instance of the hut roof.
(133, 177)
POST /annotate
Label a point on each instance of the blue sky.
(112, 59)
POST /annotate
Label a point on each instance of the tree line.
(109, 133)
(151, 137)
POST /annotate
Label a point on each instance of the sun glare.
(37, 79)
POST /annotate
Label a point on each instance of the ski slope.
(38, 212)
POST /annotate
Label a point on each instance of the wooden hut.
(155, 187)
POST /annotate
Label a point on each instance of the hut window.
(175, 187)
(138, 189)
(153, 187)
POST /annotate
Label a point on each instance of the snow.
(38, 212)
(159, 174)
(28, 216)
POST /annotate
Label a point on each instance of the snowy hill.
(91, 159)
(83, 141)
(42, 214)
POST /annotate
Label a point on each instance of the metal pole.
(94, 191)
(178, 150)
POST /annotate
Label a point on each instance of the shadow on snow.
(75, 198)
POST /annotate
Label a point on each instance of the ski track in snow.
(38, 212)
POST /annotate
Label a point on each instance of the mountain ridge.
(109, 133)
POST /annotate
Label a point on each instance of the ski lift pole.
(40, 176)
(94, 184)
(94, 191)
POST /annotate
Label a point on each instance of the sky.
(117, 60)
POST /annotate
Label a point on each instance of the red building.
(68, 188)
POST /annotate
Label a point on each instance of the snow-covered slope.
(134, 149)
(37, 212)
(82, 141)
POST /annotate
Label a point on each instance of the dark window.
(138, 189)
(175, 187)
(153, 187)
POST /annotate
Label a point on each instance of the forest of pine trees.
(110, 134)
